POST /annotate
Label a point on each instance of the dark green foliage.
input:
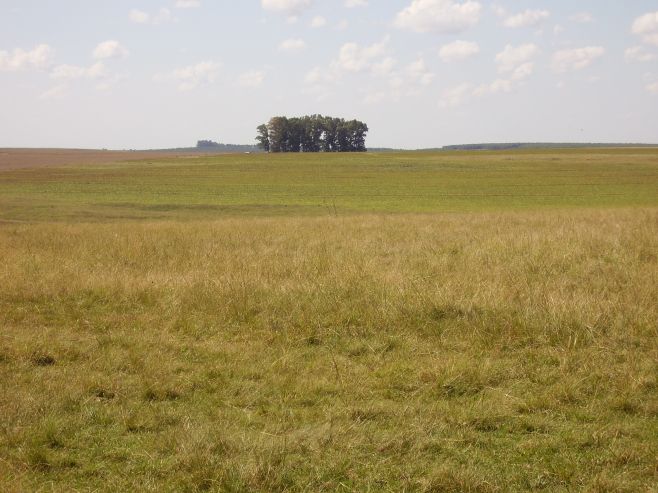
(263, 138)
(215, 147)
(315, 133)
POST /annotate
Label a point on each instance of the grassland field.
(432, 322)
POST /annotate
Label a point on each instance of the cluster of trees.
(315, 133)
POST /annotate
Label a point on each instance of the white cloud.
(651, 39)
(499, 10)
(108, 83)
(512, 57)
(582, 18)
(55, 92)
(342, 25)
(456, 96)
(314, 76)
(417, 71)
(70, 72)
(383, 67)
(350, 4)
(465, 92)
(576, 59)
(527, 18)
(375, 97)
(251, 79)
(653, 88)
(109, 49)
(188, 4)
(515, 78)
(647, 27)
(514, 61)
(458, 51)
(355, 58)
(646, 24)
(370, 61)
(161, 17)
(318, 21)
(288, 7)
(139, 16)
(495, 87)
(443, 16)
(292, 45)
(192, 76)
(38, 58)
(638, 54)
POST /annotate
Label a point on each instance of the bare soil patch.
(38, 158)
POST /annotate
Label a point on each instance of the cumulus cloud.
(188, 4)
(375, 97)
(515, 62)
(355, 58)
(251, 79)
(70, 72)
(318, 21)
(638, 54)
(456, 96)
(108, 83)
(192, 76)
(458, 51)
(527, 18)
(350, 4)
(653, 88)
(646, 26)
(292, 45)
(314, 76)
(405, 82)
(513, 57)
(577, 58)
(463, 93)
(38, 58)
(383, 67)
(139, 16)
(109, 49)
(371, 60)
(418, 72)
(161, 17)
(288, 7)
(582, 18)
(55, 92)
(442, 16)
(495, 87)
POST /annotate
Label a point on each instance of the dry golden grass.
(475, 352)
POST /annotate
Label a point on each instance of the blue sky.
(421, 73)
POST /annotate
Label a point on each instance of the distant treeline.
(531, 145)
(210, 146)
(315, 133)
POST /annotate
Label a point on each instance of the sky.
(140, 74)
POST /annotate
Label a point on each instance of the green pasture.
(321, 184)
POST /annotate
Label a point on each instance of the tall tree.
(315, 133)
(278, 133)
(263, 138)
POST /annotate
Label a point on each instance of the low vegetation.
(266, 185)
(495, 350)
